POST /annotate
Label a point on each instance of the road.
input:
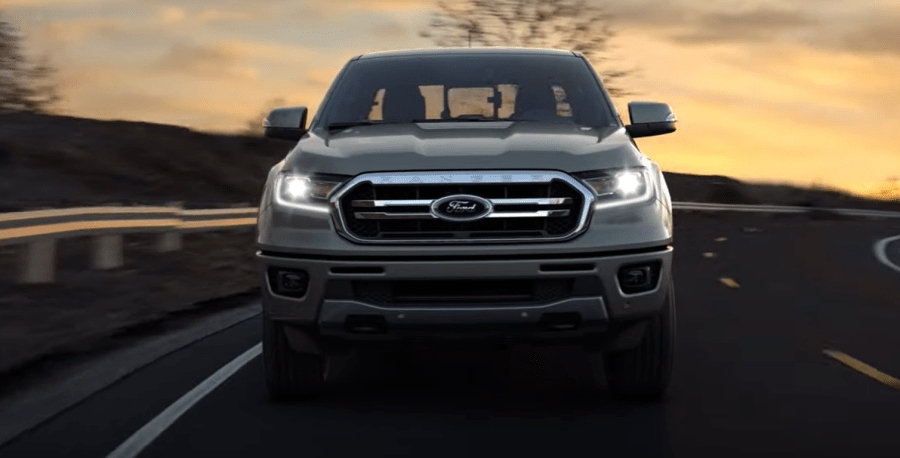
(751, 378)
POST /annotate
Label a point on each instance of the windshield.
(450, 88)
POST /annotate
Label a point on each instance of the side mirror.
(286, 123)
(649, 119)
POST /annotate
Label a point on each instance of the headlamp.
(305, 192)
(618, 187)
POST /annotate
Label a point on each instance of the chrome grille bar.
(391, 203)
(534, 214)
(383, 215)
(428, 202)
(535, 201)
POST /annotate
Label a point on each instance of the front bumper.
(328, 310)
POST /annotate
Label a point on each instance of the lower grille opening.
(567, 267)
(568, 321)
(366, 324)
(357, 270)
(462, 292)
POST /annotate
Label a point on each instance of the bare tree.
(23, 85)
(564, 24)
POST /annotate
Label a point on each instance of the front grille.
(462, 292)
(386, 212)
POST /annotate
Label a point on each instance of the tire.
(643, 373)
(289, 375)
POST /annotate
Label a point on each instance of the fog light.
(292, 281)
(285, 282)
(638, 278)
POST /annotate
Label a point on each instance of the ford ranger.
(485, 196)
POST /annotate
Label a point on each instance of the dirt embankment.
(54, 161)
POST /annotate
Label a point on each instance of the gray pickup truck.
(482, 196)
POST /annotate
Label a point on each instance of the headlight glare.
(303, 192)
(296, 188)
(629, 183)
(618, 187)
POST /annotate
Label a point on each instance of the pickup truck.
(483, 196)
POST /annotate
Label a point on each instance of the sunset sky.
(791, 91)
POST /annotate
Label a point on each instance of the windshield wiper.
(463, 118)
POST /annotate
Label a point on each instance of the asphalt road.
(750, 378)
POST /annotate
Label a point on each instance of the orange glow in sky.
(787, 91)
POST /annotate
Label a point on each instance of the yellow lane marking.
(56, 213)
(729, 282)
(721, 239)
(866, 369)
(220, 211)
(61, 228)
(709, 254)
(48, 229)
(218, 223)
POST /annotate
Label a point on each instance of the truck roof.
(465, 52)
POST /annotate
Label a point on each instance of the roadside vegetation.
(25, 83)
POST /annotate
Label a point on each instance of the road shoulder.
(70, 382)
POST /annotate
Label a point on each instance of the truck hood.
(461, 146)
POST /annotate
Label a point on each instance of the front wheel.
(643, 373)
(289, 375)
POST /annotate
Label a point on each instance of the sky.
(788, 91)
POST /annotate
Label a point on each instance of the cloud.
(648, 14)
(390, 31)
(172, 15)
(61, 33)
(28, 3)
(877, 33)
(390, 6)
(114, 90)
(320, 76)
(230, 58)
(321, 10)
(867, 27)
(198, 59)
(760, 24)
(216, 15)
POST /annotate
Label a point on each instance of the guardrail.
(700, 206)
(38, 231)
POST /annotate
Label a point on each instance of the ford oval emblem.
(461, 207)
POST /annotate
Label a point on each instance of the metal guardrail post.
(37, 261)
(106, 252)
(170, 240)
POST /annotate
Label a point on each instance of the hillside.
(57, 161)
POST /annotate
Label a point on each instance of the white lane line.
(144, 436)
(881, 252)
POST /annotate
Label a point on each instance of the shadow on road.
(487, 399)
